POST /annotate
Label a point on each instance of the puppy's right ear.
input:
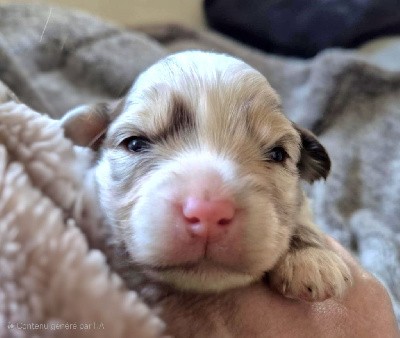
(87, 124)
(314, 160)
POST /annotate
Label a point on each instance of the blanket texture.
(50, 283)
(55, 59)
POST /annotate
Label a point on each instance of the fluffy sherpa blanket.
(51, 284)
(55, 59)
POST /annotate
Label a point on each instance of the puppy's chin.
(204, 277)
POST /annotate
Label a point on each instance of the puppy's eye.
(136, 144)
(277, 154)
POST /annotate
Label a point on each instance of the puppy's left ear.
(87, 124)
(314, 161)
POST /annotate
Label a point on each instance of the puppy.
(199, 174)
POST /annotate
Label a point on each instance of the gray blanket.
(54, 60)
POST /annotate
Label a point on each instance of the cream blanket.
(51, 284)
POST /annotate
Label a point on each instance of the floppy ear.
(314, 161)
(85, 125)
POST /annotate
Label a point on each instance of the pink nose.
(208, 218)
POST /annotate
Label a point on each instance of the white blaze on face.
(202, 209)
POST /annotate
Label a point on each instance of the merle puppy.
(199, 174)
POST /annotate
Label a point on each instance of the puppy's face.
(199, 172)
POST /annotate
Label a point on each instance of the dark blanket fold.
(54, 60)
(302, 27)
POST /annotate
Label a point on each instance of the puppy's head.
(199, 170)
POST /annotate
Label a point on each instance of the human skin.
(257, 311)
(365, 311)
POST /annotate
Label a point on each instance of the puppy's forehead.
(213, 94)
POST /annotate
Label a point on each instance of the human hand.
(365, 310)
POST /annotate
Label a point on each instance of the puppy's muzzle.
(208, 219)
(193, 201)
